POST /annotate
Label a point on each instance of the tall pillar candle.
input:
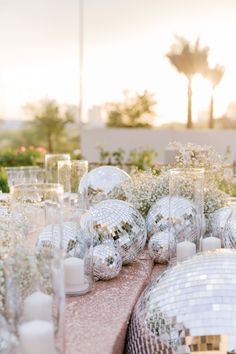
(185, 250)
(38, 306)
(37, 337)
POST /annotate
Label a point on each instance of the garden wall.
(128, 139)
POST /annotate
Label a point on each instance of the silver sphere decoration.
(188, 308)
(218, 220)
(158, 246)
(100, 181)
(183, 214)
(74, 239)
(107, 262)
(120, 222)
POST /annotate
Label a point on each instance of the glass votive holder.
(25, 174)
(78, 247)
(186, 220)
(37, 271)
(51, 166)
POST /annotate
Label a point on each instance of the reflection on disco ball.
(218, 220)
(183, 215)
(118, 221)
(158, 246)
(100, 182)
(74, 239)
(189, 308)
(107, 262)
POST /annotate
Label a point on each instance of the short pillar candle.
(38, 306)
(37, 337)
(185, 250)
(211, 243)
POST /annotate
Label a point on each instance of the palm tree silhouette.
(215, 76)
(189, 59)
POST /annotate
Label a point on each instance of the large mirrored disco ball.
(107, 262)
(100, 181)
(158, 246)
(183, 214)
(188, 308)
(118, 221)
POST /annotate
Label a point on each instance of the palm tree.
(215, 76)
(189, 59)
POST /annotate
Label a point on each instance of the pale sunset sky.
(125, 42)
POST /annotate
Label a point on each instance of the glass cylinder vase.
(186, 219)
(36, 297)
(78, 248)
(51, 166)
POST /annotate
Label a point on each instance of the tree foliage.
(49, 123)
(134, 112)
(189, 59)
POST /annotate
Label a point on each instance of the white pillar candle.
(37, 337)
(74, 272)
(38, 306)
(211, 243)
(185, 250)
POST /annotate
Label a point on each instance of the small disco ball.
(100, 181)
(120, 222)
(218, 220)
(74, 239)
(158, 246)
(189, 308)
(107, 262)
(183, 215)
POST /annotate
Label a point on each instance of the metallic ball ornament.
(74, 239)
(218, 220)
(158, 246)
(100, 181)
(189, 308)
(120, 222)
(183, 215)
(107, 262)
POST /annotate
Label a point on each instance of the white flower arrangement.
(144, 188)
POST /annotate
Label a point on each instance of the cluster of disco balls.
(190, 308)
(161, 235)
(119, 235)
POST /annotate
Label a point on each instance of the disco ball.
(217, 221)
(118, 221)
(189, 308)
(229, 232)
(158, 246)
(107, 262)
(183, 215)
(100, 181)
(74, 240)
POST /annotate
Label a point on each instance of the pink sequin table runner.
(97, 323)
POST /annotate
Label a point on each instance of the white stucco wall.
(129, 139)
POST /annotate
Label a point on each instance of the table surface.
(96, 323)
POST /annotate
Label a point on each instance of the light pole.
(81, 59)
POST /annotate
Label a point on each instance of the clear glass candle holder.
(186, 219)
(78, 169)
(51, 166)
(25, 174)
(78, 250)
(64, 174)
(36, 296)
